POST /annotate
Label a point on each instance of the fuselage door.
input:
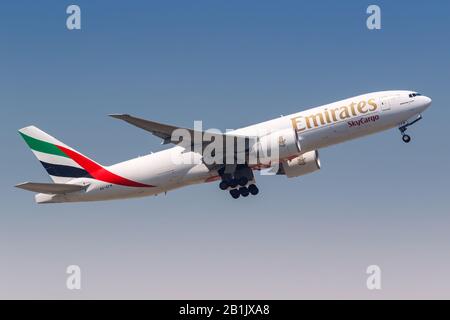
(385, 103)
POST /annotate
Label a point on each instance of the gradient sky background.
(231, 64)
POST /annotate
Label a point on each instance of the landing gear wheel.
(235, 193)
(406, 138)
(223, 185)
(253, 189)
(242, 181)
(244, 191)
(233, 183)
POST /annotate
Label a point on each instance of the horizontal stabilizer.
(50, 188)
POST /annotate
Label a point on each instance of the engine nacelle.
(301, 165)
(278, 145)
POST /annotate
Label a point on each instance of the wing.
(50, 188)
(164, 131)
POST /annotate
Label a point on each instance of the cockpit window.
(412, 95)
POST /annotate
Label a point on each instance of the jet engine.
(301, 165)
(280, 144)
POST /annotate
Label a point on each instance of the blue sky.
(228, 63)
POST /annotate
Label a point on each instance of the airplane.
(295, 140)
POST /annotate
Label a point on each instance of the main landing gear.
(240, 183)
(406, 138)
(244, 191)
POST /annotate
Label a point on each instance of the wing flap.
(50, 188)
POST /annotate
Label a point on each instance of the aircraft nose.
(426, 101)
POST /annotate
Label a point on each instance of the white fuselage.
(315, 128)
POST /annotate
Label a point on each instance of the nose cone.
(427, 101)
(424, 102)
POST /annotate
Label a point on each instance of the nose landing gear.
(406, 138)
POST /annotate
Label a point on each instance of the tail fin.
(61, 162)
